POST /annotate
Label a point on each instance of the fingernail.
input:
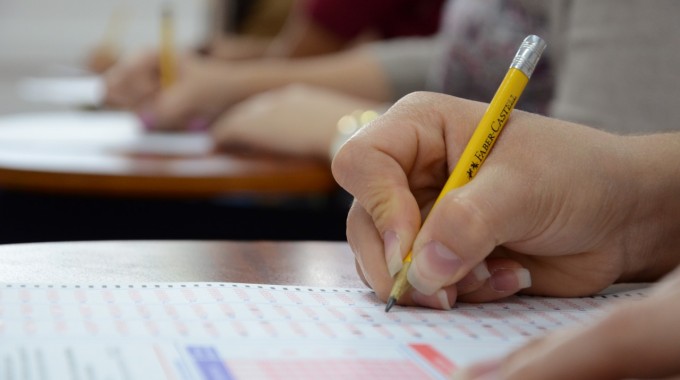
(479, 274)
(198, 124)
(510, 280)
(148, 120)
(438, 300)
(392, 252)
(432, 266)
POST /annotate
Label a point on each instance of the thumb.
(467, 224)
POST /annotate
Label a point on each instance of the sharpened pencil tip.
(390, 302)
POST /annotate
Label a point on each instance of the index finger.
(396, 166)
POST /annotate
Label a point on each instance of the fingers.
(132, 81)
(135, 84)
(495, 279)
(367, 245)
(360, 272)
(173, 109)
(396, 166)
(498, 206)
(392, 209)
(502, 278)
(388, 162)
(633, 341)
(180, 105)
(464, 227)
(519, 199)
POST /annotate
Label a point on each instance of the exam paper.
(243, 331)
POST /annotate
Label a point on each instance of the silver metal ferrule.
(528, 54)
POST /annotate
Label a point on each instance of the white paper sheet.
(84, 133)
(66, 91)
(241, 331)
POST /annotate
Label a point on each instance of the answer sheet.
(208, 331)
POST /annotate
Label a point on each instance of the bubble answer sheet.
(215, 331)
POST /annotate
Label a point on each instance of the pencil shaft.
(167, 51)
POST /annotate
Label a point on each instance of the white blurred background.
(62, 31)
(55, 37)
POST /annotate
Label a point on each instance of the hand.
(207, 87)
(296, 120)
(636, 340)
(132, 81)
(556, 199)
(204, 88)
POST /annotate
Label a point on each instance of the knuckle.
(378, 206)
(346, 162)
(467, 231)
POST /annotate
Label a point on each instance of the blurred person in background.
(476, 38)
(465, 58)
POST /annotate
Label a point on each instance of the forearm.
(653, 240)
(236, 48)
(353, 72)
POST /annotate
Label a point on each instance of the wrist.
(241, 80)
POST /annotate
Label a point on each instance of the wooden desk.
(280, 263)
(71, 176)
(110, 154)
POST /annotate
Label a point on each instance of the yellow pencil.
(167, 51)
(484, 137)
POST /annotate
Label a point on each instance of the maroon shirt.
(387, 18)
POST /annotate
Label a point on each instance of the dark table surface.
(281, 263)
